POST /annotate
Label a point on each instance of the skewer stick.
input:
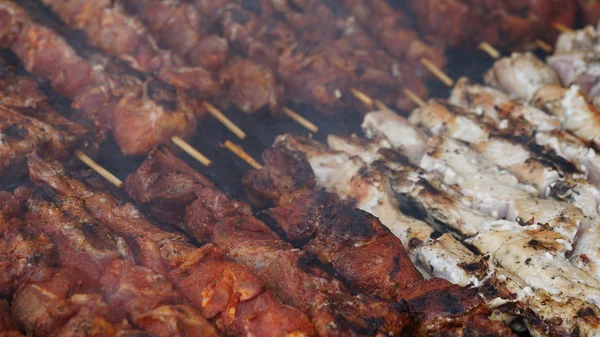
(414, 97)
(379, 104)
(99, 169)
(301, 120)
(437, 72)
(562, 28)
(223, 119)
(545, 46)
(182, 144)
(361, 96)
(488, 49)
(239, 151)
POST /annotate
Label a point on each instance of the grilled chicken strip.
(440, 119)
(213, 216)
(440, 208)
(221, 290)
(494, 191)
(486, 184)
(576, 111)
(528, 78)
(521, 75)
(529, 124)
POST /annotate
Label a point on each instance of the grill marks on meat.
(358, 247)
(249, 85)
(223, 291)
(46, 300)
(290, 272)
(110, 29)
(116, 103)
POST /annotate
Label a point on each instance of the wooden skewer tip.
(361, 96)
(99, 169)
(224, 120)
(562, 28)
(543, 45)
(490, 50)
(182, 144)
(437, 72)
(239, 151)
(301, 120)
(414, 97)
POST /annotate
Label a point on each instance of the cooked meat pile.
(476, 216)
(508, 24)
(508, 171)
(164, 182)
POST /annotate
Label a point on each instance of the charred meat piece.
(215, 217)
(223, 291)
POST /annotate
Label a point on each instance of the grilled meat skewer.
(507, 24)
(46, 300)
(223, 291)
(114, 102)
(143, 187)
(439, 158)
(8, 327)
(442, 207)
(248, 85)
(211, 216)
(529, 125)
(529, 79)
(29, 121)
(340, 235)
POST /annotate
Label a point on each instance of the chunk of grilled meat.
(116, 103)
(46, 300)
(215, 217)
(107, 27)
(29, 121)
(224, 291)
(8, 328)
(248, 85)
(508, 24)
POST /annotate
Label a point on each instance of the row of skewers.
(284, 166)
